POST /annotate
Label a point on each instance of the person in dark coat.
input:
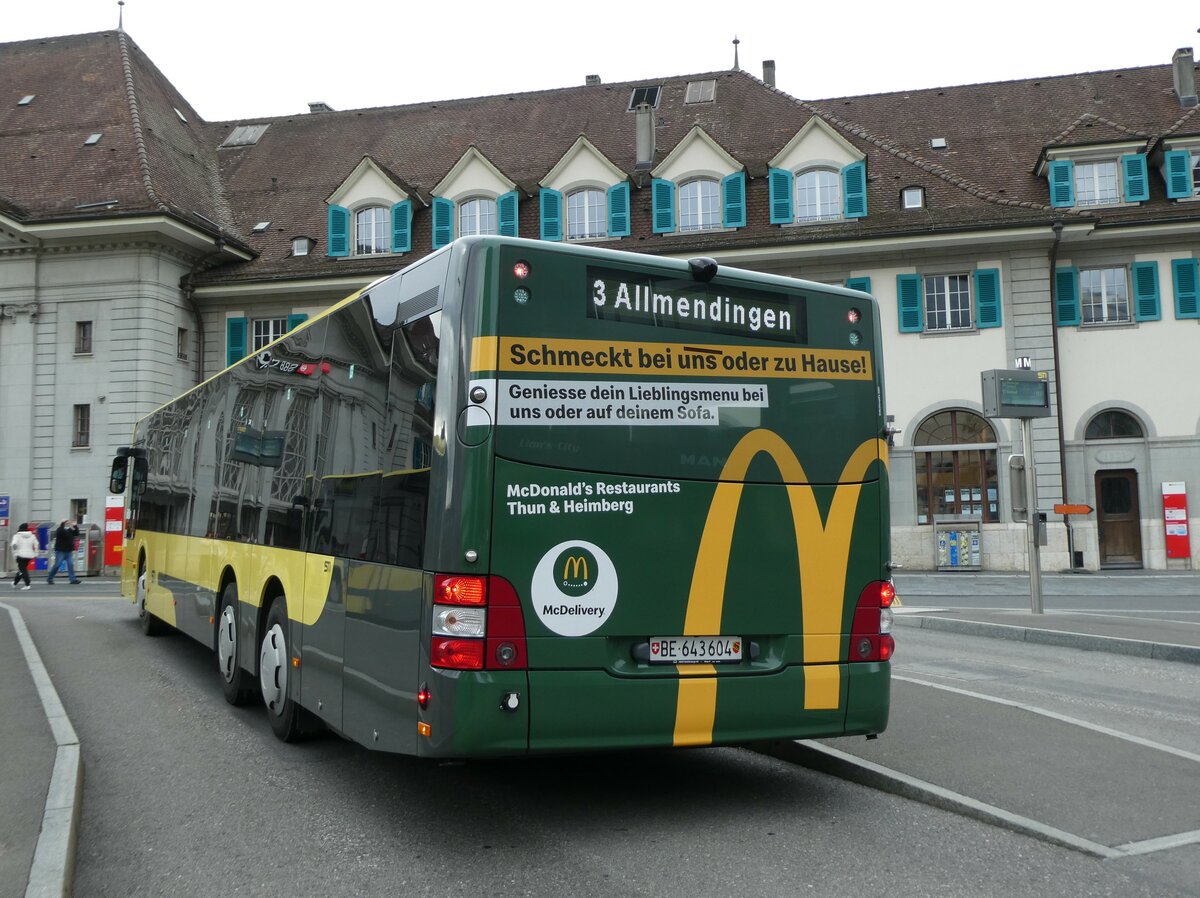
(64, 551)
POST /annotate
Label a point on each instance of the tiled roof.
(150, 160)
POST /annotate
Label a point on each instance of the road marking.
(876, 776)
(54, 856)
(1161, 843)
(1054, 715)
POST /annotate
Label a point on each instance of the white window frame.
(1093, 184)
(266, 330)
(81, 426)
(912, 198)
(478, 215)
(372, 231)
(587, 214)
(700, 205)
(946, 304)
(300, 246)
(1112, 307)
(85, 334)
(817, 195)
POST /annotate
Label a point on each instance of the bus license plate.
(695, 649)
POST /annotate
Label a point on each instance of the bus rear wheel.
(235, 681)
(288, 720)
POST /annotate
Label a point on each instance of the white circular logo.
(574, 588)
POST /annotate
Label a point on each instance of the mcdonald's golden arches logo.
(823, 552)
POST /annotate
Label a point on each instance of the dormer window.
(700, 205)
(818, 196)
(1094, 177)
(372, 227)
(477, 216)
(912, 198)
(1096, 183)
(301, 246)
(587, 214)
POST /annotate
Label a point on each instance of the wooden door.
(1118, 519)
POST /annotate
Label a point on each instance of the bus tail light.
(871, 633)
(477, 624)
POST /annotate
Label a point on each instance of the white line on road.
(1054, 715)
(54, 857)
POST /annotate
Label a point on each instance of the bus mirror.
(141, 468)
(703, 268)
(120, 473)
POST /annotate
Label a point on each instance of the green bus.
(527, 497)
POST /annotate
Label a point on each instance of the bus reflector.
(424, 729)
(870, 636)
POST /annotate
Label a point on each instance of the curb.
(53, 867)
(1159, 651)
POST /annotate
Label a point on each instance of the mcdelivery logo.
(577, 568)
(574, 588)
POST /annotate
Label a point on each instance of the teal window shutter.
(506, 211)
(854, 190)
(551, 208)
(1134, 180)
(910, 314)
(780, 182)
(1062, 182)
(618, 210)
(294, 321)
(1177, 165)
(235, 340)
(863, 284)
(1185, 273)
(1066, 296)
(988, 305)
(402, 227)
(733, 200)
(339, 231)
(443, 221)
(663, 198)
(1146, 306)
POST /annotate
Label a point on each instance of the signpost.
(1175, 519)
(1024, 394)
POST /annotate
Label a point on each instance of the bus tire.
(235, 680)
(288, 720)
(151, 625)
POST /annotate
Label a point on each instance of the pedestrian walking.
(65, 538)
(25, 549)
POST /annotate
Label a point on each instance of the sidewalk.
(1149, 614)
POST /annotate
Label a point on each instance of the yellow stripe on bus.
(823, 554)
(538, 355)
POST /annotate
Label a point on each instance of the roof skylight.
(26, 100)
(244, 136)
(647, 95)
(93, 139)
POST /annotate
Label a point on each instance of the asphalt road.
(184, 795)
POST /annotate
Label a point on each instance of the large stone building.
(1056, 219)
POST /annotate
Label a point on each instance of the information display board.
(1015, 393)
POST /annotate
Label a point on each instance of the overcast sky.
(272, 57)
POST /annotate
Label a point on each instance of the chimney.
(645, 135)
(1185, 76)
(590, 80)
(314, 108)
(769, 72)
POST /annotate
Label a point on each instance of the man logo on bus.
(576, 566)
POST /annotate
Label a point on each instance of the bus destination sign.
(634, 298)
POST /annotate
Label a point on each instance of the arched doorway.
(1118, 516)
(954, 452)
